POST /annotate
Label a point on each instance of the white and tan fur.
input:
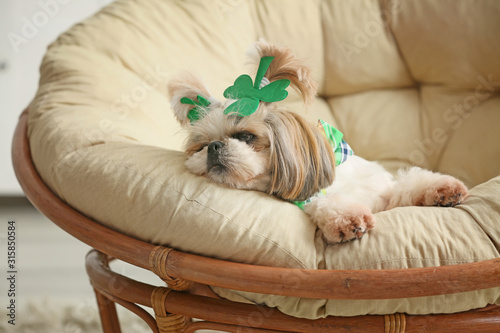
(276, 151)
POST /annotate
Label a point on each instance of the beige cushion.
(104, 139)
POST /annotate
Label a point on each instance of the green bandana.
(335, 138)
(301, 204)
(341, 149)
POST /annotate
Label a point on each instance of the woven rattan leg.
(107, 311)
(167, 322)
(395, 323)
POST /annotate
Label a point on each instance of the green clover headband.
(248, 94)
(200, 107)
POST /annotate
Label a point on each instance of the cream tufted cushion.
(411, 82)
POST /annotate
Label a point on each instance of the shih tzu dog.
(249, 142)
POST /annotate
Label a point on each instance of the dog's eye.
(244, 136)
(200, 148)
(195, 148)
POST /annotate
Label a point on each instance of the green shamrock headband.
(200, 107)
(248, 94)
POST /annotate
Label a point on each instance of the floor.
(52, 290)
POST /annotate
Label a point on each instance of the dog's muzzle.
(213, 154)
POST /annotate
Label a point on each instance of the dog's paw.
(419, 187)
(349, 225)
(447, 192)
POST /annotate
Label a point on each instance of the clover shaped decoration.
(248, 94)
(199, 110)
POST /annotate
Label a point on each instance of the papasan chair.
(99, 152)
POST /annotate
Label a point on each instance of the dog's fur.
(276, 151)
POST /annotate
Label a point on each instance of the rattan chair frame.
(188, 277)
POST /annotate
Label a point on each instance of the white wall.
(26, 28)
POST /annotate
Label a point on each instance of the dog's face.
(271, 150)
(231, 150)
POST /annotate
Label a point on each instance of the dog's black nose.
(215, 147)
(214, 156)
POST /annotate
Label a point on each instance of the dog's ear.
(186, 85)
(302, 162)
(286, 66)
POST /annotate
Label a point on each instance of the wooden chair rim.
(219, 313)
(332, 284)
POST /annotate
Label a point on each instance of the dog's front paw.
(348, 225)
(447, 192)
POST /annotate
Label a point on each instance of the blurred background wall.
(27, 27)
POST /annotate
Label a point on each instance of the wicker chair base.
(174, 309)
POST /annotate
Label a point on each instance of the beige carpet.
(53, 294)
(59, 316)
